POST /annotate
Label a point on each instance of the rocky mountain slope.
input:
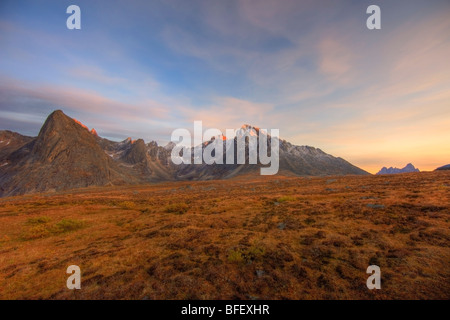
(11, 141)
(64, 155)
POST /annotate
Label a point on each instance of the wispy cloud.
(310, 68)
(111, 117)
(230, 113)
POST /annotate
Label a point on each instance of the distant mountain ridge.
(446, 167)
(408, 168)
(67, 155)
(9, 142)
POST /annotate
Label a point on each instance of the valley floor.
(250, 238)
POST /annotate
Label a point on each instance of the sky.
(311, 69)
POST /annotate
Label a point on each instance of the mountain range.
(66, 155)
(408, 168)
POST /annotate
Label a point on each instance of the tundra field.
(248, 238)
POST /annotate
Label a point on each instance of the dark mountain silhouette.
(446, 167)
(408, 168)
(67, 155)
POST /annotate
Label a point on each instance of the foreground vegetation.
(252, 238)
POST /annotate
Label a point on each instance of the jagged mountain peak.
(136, 153)
(58, 118)
(129, 140)
(246, 126)
(249, 128)
(64, 155)
(169, 146)
(59, 129)
(391, 170)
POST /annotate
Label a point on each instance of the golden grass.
(249, 238)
